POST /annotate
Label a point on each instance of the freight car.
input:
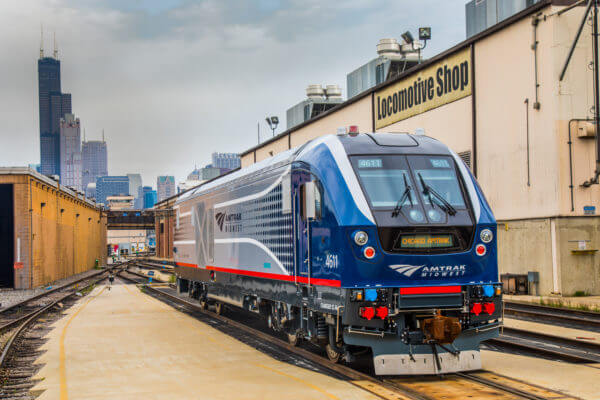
(380, 242)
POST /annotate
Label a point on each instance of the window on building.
(379, 78)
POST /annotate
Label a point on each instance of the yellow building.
(47, 231)
(497, 100)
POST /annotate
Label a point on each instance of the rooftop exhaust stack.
(318, 100)
(315, 92)
(333, 92)
(388, 47)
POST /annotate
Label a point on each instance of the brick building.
(47, 231)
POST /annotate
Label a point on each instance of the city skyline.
(139, 71)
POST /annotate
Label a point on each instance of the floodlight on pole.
(273, 122)
(408, 37)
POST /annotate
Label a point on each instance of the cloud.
(172, 81)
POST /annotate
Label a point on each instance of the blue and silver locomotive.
(380, 242)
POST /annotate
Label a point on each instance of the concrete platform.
(569, 333)
(578, 380)
(591, 303)
(123, 344)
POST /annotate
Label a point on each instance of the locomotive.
(363, 242)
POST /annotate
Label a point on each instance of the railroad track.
(480, 384)
(23, 332)
(586, 320)
(547, 346)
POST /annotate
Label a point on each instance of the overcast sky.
(171, 81)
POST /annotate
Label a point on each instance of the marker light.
(476, 308)
(488, 290)
(369, 252)
(382, 312)
(356, 295)
(361, 238)
(480, 249)
(367, 312)
(486, 236)
(353, 130)
(489, 308)
(370, 294)
(498, 290)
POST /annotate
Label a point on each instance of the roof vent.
(333, 92)
(315, 92)
(388, 47)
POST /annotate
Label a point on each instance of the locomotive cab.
(420, 284)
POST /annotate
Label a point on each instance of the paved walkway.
(123, 344)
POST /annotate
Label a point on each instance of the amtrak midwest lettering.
(447, 80)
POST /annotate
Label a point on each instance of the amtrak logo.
(229, 222)
(405, 269)
(220, 217)
(436, 271)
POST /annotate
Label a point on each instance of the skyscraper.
(165, 187)
(53, 105)
(226, 160)
(135, 185)
(94, 161)
(111, 186)
(149, 197)
(70, 152)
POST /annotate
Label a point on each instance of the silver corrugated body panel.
(482, 14)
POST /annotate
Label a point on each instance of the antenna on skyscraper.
(41, 40)
(84, 134)
(55, 49)
(103, 135)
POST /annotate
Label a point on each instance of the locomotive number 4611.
(331, 261)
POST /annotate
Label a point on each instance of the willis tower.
(53, 106)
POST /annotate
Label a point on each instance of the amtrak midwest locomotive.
(380, 242)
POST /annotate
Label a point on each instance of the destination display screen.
(426, 241)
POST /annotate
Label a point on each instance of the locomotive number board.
(425, 241)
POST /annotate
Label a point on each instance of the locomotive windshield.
(406, 182)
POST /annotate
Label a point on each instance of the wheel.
(293, 339)
(333, 355)
(219, 308)
(204, 304)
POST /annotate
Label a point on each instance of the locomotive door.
(307, 202)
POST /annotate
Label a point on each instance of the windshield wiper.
(428, 191)
(405, 195)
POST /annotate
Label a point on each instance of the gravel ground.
(9, 297)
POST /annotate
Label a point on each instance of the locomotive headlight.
(361, 238)
(486, 236)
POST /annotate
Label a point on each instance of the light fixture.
(408, 37)
(486, 236)
(273, 121)
(425, 33)
(361, 238)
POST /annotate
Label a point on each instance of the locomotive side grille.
(265, 222)
(390, 238)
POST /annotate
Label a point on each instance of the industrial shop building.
(497, 99)
(47, 231)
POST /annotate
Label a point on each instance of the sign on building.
(442, 83)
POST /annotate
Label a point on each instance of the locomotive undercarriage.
(438, 329)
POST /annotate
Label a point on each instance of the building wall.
(524, 162)
(54, 244)
(165, 229)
